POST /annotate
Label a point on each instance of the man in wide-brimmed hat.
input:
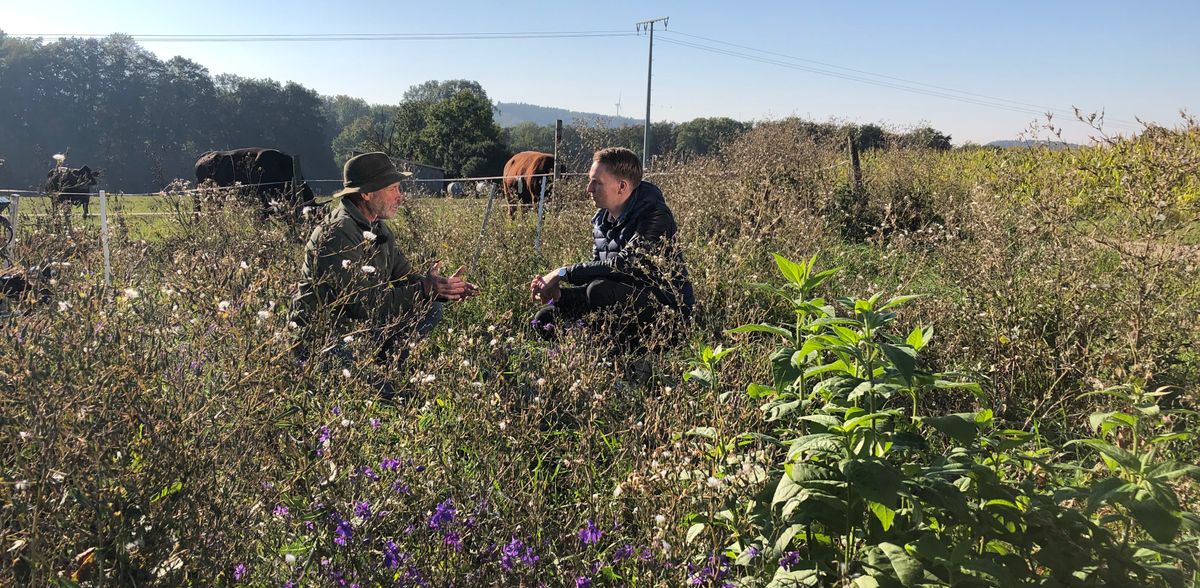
(355, 270)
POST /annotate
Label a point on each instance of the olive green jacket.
(357, 271)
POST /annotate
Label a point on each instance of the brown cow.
(524, 175)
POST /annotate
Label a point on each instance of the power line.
(935, 91)
(279, 38)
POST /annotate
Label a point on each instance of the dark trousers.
(629, 318)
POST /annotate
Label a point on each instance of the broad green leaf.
(873, 479)
(759, 391)
(794, 272)
(904, 358)
(908, 569)
(1126, 460)
(703, 375)
(897, 301)
(694, 531)
(1159, 522)
(763, 328)
(837, 366)
(1109, 490)
(919, 337)
(881, 511)
(961, 426)
(783, 373)
(706, 432)
(1169, 437)
(785, 539)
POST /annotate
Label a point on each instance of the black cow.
(65, 185)
(266, 173)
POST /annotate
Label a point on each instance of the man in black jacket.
(637, 274)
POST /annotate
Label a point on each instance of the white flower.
(131, 293)
(346, 423)
(713, 482)
(466, 363)
(348, 339)
(345, 263)
(64, 306)
(223, 306)
(491, 328)
(541, 382)
(368, 235)
(429, 378)
(59, 157)
(503, 425)
(289, 558)
(244, 265)
(370, 269)
(264, 315)
(346, 372)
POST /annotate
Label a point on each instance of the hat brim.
(377, 184)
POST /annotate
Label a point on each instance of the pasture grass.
(161, 431)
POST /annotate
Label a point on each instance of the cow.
(454, 190)
(67, 186)
(268, 174)
(524, 176)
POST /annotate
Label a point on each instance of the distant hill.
(514, 113)
(1053, 145)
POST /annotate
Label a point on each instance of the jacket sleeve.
(634, 259)
(405, 287)
(338, 270)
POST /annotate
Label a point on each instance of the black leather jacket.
(638, 248)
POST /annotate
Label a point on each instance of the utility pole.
(649, 25)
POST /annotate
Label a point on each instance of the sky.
(978, 71)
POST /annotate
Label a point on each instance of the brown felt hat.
(369, 172)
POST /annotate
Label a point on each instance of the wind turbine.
(618, 104)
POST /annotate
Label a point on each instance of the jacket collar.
(346, 209)
(644, 195)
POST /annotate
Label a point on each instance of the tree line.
(115, 106)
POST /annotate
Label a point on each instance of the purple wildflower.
(390, 464)
(590, 534)
(239, 571)
(752, 551)
(452, 539)
(789, 559)
(517, 551)
(362, 509)
(280, 511)
(337, 411)
(392, 556)
(374, 423)
(289, 584)
(442, 515)
(583, 582)
(400, 487)
(324, 434)
(342, 533)
(370, 474)
(622, 552)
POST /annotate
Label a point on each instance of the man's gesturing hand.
(448, 288)
(545, 289)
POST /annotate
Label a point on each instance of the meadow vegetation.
(981, 371)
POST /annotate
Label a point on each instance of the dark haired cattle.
(266, 173)
(65, 185)
(524, 175)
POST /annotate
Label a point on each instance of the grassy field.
(1027, 419)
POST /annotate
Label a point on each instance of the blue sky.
(1132, 59)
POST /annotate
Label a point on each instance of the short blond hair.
(620, 162)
